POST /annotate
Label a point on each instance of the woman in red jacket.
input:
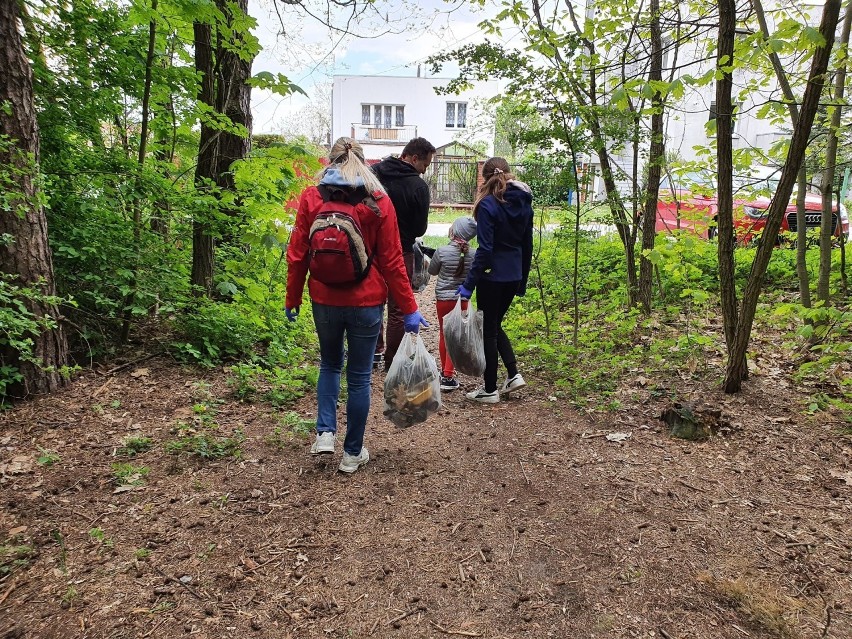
(349, 311)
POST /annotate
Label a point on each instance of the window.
(713, 114)
(456, 115)
(383, 116)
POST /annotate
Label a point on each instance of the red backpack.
(338, 255)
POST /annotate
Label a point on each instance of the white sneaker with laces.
(479, 395)
(513, 384)
(351, 463)
(324, 444)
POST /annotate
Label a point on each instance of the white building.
(384, 112)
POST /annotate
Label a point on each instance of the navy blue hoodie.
(504, 232)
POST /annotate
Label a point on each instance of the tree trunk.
(724, 159)
(826, 231)
(205, 170)
(656, 157)
(777, 208)
(233, 98)
(802, 230)
(27, 257)
(802, 239)
(130, 298)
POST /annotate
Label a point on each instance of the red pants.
(444, 307)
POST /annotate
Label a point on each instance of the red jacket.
(381, 236)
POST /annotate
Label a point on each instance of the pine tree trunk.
(27, 257)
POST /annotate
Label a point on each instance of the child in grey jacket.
(451, 263)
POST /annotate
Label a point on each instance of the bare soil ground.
(514, 520)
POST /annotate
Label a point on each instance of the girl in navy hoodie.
(500, 269)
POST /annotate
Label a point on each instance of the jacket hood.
(394, 169)
(518, 197)
(333, 177)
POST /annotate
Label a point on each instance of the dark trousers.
(494, 300)
(396, 326)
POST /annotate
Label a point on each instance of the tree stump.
(695, 422)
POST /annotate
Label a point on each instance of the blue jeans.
(360, 326)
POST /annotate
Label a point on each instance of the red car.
(684, 204)
(695, 210)
(752, 219)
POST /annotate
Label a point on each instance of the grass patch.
(133, 446)
(129, 475)
(763, 606)
(14, 557)
(293, 428)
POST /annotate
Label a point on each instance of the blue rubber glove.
(292, 313)
(464, 293)
(413, 321)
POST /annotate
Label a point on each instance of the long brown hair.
(496, 174)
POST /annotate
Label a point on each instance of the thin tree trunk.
(27, 257)
(826, 230)
(140, 160)
(656, 157)
(725, 162)
(802, 240)
(795, 156)
(801, 228)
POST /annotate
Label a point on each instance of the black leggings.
(494, 299)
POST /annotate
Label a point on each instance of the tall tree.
(224, 53)
(656, 158)
(826, 227)
(725, 170)
(24, 250)
(795, 156)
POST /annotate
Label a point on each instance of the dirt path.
(513, 520)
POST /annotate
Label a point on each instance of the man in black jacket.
(410, 196)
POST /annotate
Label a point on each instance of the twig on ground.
(664, 634)
(523, 470)
(551, 546)
(691, 487)
(103, 387)
(375, 624)
(407, 613)
(121, 367)
(8, 591)
(189, 589)
(463, 633)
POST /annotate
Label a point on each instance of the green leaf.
(813, 36)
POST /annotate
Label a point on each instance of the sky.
(309, 53)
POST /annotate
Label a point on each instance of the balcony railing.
(383, 135)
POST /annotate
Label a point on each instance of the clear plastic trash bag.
(463, 339)
(412, 385)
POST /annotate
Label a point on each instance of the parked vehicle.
(752, 221)
(689, 203)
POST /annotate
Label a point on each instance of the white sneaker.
(324, 444)
(513, 383)
(351, 463)
(479, 395)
